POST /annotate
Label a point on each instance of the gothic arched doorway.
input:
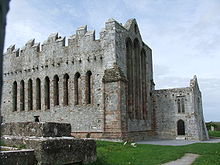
(180, 127)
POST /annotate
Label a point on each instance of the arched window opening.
(14, 95)
(22, 96)
(47, 93)
(183, 105)
(180, 127)
(56, 90)
(88, 87)
(137, 79)
(66, 89)
(76, 87)
(30, 95)
(178, 104)
(38, 94)
(144, 83)
(130, 61)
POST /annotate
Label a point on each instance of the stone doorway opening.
(180, 128)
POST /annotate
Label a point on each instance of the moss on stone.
(113, 75)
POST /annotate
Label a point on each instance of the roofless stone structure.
(103, 87)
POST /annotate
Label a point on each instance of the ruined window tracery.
(178, 104)
(56, 90)
(22, 96)
(76, 88)
(137, 80)
(66, 89)
(144, 84)
(14, 96)
(88, 87)
(30, 95)
(38, 94)
(130, 78)
(181, 104)
(47, 92)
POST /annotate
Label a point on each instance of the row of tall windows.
(137, 80)
(55, 94)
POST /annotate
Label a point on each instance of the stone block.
(57, 150)
(39, 129)
(18, 157)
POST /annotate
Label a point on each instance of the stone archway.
(180, 127)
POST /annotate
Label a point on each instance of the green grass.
(214, 133)
(112, 153)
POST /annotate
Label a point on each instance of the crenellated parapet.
(81, 47)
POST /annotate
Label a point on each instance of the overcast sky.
(183, 34)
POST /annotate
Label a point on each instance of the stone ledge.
(18, 157)
(57, 150)
(39, 129)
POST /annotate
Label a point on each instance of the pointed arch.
(22, 95)
(56, 90)
(47, 92)
(38, 94)
(88, 91)
(180, 127)
(30, 95)
(66, 90)
(76, 87)
(137, 79)
(178, 105)
(129, 63)
(183, 104)
(144, 83)
(14, 95)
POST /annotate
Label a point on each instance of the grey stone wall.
(4, 6)
(83, 53)
(123, 33)
(38, 129)
(33, 61)
(167, 113)
(123, 96)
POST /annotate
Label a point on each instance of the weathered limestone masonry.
(52, 144)
(4, 7)
(102, 87)
(179, 112)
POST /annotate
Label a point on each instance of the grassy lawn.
(112, 153)
(214, 133)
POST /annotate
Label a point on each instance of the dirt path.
(187, 159)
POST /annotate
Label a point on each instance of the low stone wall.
(38, 129)
(18, 157)
(52, 143)
(56, 150)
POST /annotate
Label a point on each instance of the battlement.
(55, 42)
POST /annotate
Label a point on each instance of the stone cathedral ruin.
(103, 87)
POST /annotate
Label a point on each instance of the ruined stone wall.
(198, 107)
(138, 106)
(50, 80)
(173, 105)
(82, 54)
(4, 7)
